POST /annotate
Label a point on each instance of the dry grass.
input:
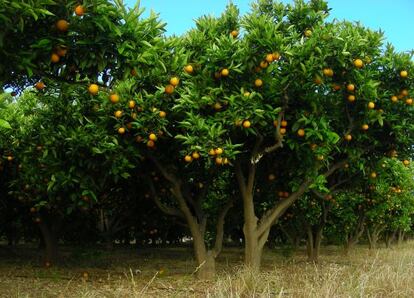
(167, 273)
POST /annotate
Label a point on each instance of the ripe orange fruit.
(358, 63)
(283, 123)
(174, 81)
(162, 114)
(40, 86)
(129, 125)
(118, 114)
(351, 98)
(275, 123)
(217, 106)
(212, 152)
(247, 94)
(150, 144)
(61, 50)
(188, 158)
(394, 98)
(404, 92)
(320, 157)
(79, 10)
(406, 162)
(54, 58)
(271, 177)
(234, 33)
(409, 101)
(218, 151)
(371, 105)
(283, 131)
(276, 56)
(153, 137)
(269, 58)
(121, 130)
(350, 87)
(328, 72)
(264, 64)
(189, 69)
(348, 138)
(301, 132)
(195, 155)
(246, 124)
(225, 72)
(403, 73)
(131, 104)
(93, 89)
(364, 127)
(134, 116)
(62, 25)
(313, 146)
(219, 160)
(308, 33)
(169, 89)
(114, 98)
(258, 83)
(373, 175)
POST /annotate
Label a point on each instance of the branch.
(218, 245)
(170, 177)
(164, 208)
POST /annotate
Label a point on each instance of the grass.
(168, 273)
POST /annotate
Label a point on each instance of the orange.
(371, 105)
(348, 138)
(121, 130)
(62, 25)
(275, 123)
(114, 98)
(282, 131)
(403, 73)
(219, 160)
(336, 87)
(350, 87)
(269, 58)
(93, 89)
(284, 123)
(134, 116)
(212, 152)
(358, 63)
(217, 106)
(162, 114)
(10, 158)
(264, 64)
(271, 177)
(189, 69)
(174, 81)
(152, 137)
(364, 127)
(234, 33)
(225, 72)
(188, 158)
(409, 101)
(150, 144)
(79, 10)
(308, 33)
(40, 86)
(313, 146)
(404, 92)
(131, 104)
(328, 72)
(406, 162)
(218, 151)
(373, 175)
(169, 89)
(258, 83)
(195, 155)
(394, 98)
(320, 157)
(317, 80)
(133, 72)
(276, 56)
(351, 98)
(54, 58)
(301, 132)
(61, 51)
(246, 124)
(118, 114)
(247, 94)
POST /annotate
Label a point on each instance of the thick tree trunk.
(313, 243)
(51, 252)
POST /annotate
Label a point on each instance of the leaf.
(4, 124)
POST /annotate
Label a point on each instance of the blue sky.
(395, 17)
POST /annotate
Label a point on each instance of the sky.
(391, 16)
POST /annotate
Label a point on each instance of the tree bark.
(51, 252)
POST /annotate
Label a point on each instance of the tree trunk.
(207, 269)
(313, 243)
(51, 252)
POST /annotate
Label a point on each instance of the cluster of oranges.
(402, 95)
(283, 126)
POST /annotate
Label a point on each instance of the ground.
(168, 272)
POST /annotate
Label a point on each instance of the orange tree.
(71, 54)
(284, 88)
